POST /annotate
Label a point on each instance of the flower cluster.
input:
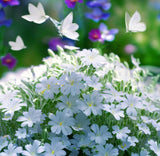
(80, 104)
(102, 33)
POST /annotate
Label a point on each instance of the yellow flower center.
(33, 153)
(69, 104)
(91, 58)
(123, 146)
(106, 154)
(53, 152)
(42, 92)
(131, 104)
(60, 123)
(72, 82)
(90, 104)
(48, 86)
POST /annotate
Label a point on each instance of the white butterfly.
(36, 14)
(18, 45)
(133, 23)
(68, 28)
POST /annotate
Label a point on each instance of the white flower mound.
(80, 104)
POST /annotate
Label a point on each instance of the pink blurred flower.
(130, 48)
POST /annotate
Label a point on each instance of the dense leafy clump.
(80, 103)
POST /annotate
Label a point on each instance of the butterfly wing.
(41, 9)
(127, 19)
(33, 10)
(33, 13)
(66, 23)
(68, 28)
(135, 25)
(20, 42)
(18, 45)
(36, 14)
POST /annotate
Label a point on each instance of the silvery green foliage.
(87, 103)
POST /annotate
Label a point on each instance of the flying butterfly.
(133, 23)
(18, 44)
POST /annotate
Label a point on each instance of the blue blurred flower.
(97, 15)
(158, 17)
(4, 3)
(104, 4)
(72, 3)
(3, 20)
(106, 34)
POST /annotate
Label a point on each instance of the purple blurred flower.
(130, 48)
(97, 15)
(104, 4)
(95, 35)
(9, 61)
(61, 42)
(4, 3)
(3, 20)
(72, 3)
(106, 34)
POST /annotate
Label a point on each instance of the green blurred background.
(36, 37)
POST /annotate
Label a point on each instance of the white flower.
(154, 147)
(3, 142)
(71, 83)
(36, 14)
(91, 104)
(122, 73)
(21, 133)
(133, 140)
(11, 151)
(54, 149)
(93, 82)
(111, 94)
(11, 106)
(120, 133)
(125, 144)
(82, 122)
(69, 103)
(30, 117)
(91, 57)
(47, 87)
(132, 102)
(8, 96)
(114, 110)
(108, 150)
(143, 127)
(33, 150)
(99, 134)
(61, 123)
